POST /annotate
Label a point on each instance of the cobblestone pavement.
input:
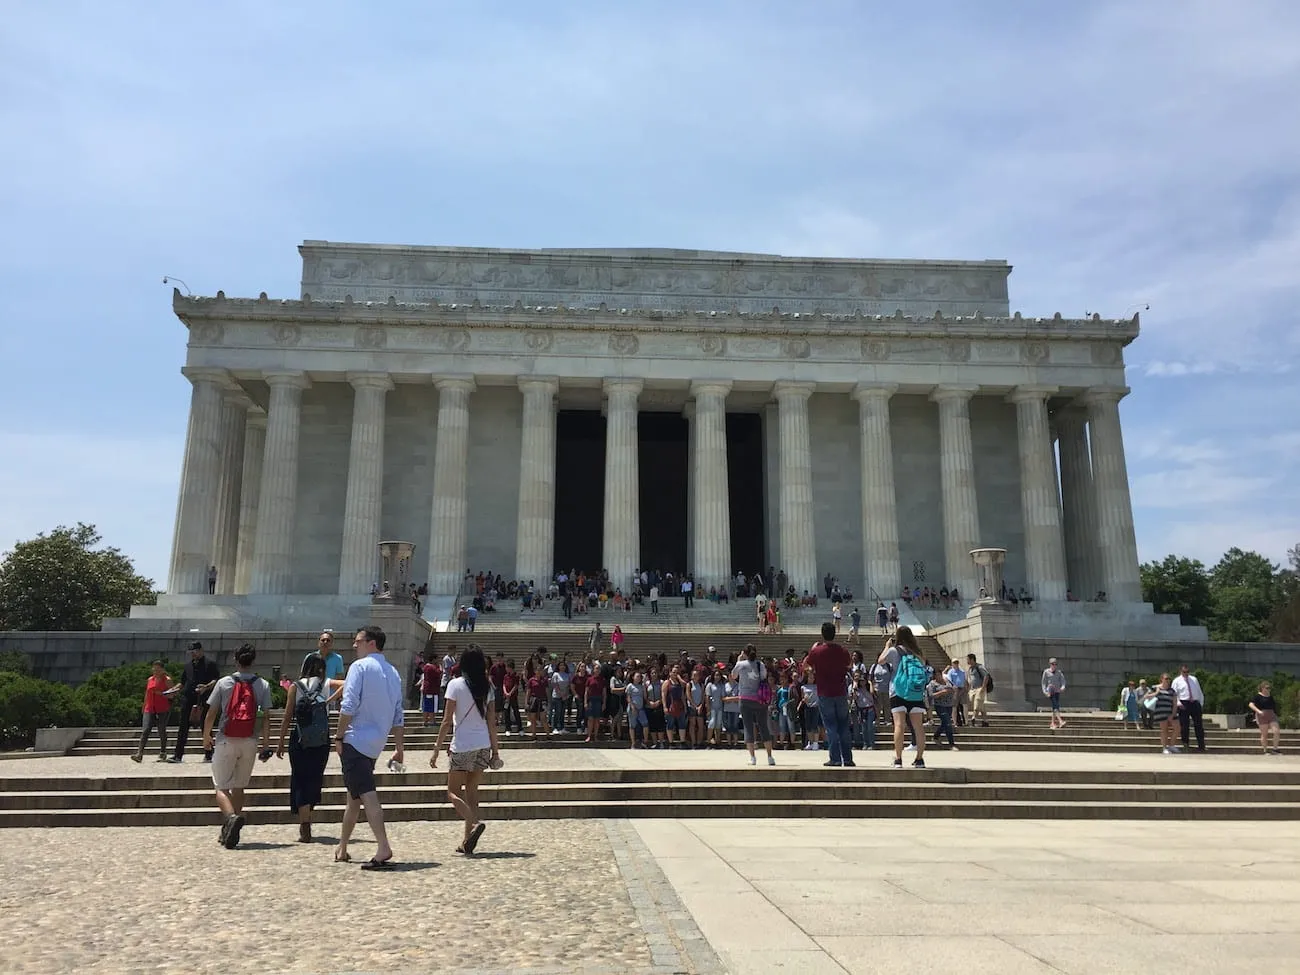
(539, 899)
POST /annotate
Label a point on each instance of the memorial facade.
(705, 412)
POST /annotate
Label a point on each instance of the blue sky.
(1118, 154)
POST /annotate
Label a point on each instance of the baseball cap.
(196, 645)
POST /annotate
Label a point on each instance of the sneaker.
(808, 747)
(556, 731)
(175, 760)
(832, 764)
(1174, 749)
(909, 748)
(1166, 751)
(850, 764)
(771, 760)
(898, 763)
(137, 759)
(225, 830)
(918, 763)
(753, 759)
(232, 838)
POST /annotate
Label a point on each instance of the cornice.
(223, 310)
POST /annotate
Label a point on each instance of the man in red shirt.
(830, 665)
(430, 684)
(497, 677)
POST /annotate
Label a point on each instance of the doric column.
(449, 524)
(798, 542)
(880, 565)
(225, 541)
(1040, 506)
(277, 506)
(1116, 540)
(961, 521)
(712, 516)
(692, 479)
(196, 509)
(622, 543)
(250, 496)
(535, 536)
(1078, 505)
(359, 561)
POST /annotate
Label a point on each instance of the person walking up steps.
(232, 713)
(1053, 688)
(306, 726)
(372, 708)
(471, 718)
(158, 692)
(197, 681)
(906, 693)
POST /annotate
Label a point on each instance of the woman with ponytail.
(470, 715)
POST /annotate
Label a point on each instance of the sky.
(1120, 155)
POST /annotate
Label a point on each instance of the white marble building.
(904, 417)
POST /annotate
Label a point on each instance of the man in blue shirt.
(334, 666)
(372, 707)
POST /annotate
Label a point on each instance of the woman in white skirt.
(471, 717)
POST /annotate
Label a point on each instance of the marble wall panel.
(324, 441)
(915, 434)
(997, 481)
(412, 435)
(495, 446)
(837, 487)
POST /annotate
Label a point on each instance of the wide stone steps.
(171, 800)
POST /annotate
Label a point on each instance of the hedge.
(1228, 693)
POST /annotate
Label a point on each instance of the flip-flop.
(345, 858)
(373, 864)
(474, 835)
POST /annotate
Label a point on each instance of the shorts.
(731, 721)
(429, 703)
(754, 717)
(812, 719)
(358, 772)
(475, 760)
(898, 706)
(232, 763)
(595, 708)
(716, 722)
(636, 719)
(1265, 718)
(656, 718)
(675, 722)
(534, 705)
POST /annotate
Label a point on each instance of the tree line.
(1243, 598)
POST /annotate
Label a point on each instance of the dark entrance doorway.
(662, 452)
(579, 489)
(745, 487)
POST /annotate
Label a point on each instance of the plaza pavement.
(664, 896)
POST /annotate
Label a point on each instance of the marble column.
(1039, 503)
(622, 541)
(277, 507)
(196, 510)
(961, 523)
(359, 561)
(692, 477)
(449, 524)
(1116, 540)
(880, 565)
(1078, 505)
(225, 541)
(712, 502)
(535, 535)
(250, 496)
(798, 541)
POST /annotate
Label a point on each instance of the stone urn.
(395, 569)
(988, 568)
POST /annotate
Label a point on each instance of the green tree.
(1286, 618)
(60, 581)
(1246, 589)
(1178, 585)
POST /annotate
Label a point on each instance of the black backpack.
(311, 716)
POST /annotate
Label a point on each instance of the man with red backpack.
(233, 708)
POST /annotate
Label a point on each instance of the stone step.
(884, 808)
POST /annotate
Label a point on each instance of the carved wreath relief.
(621, 343)
(371, 337)
(713, 345)
(286, 334)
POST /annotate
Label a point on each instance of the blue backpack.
(910, 681)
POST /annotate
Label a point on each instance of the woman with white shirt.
(471, 717)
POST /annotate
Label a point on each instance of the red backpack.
(241, 710)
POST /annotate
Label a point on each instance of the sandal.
(373, 864)
(345, 858)
(474, 835)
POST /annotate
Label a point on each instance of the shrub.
(1228, 693)
(15, 662)
(115, 697)
(27, 704)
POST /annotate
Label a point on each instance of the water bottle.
(395, 766)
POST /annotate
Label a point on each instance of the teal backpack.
(910, 681)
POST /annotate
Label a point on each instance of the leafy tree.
(1246, 591)
(1178, 585)
(1286, 618)
(60, 581)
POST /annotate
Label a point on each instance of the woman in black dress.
(309, 748)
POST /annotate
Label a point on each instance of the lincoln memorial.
(695, 411)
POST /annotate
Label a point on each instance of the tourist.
(688, 592)
(731, 706)
(1265, 710)
(696, 708)
(715, 691)
(893, 616)
(750, 675)
(1163, 701)
(654, 707)
(1053, 687)
(1143, 691)
(862, 713)
(594, 703)
(158, 692)
(616, 641)
(882, 619)
(197, 681)
(306, 725)
(510, 685)
(578, 699)
(535, 702)
(335, 668)
(1130, 706)
(231, 720)
(830, 665)
(957, 678)
(810, 712)
(942, 695)
(212, 580)
(637, 723)
(906, 692)
(560, 686)
(1191, 706)
(430, 684)
(474, 749)
(371, 709)
(837, 615)
(595, 638)
(654, 600)
(855, 623)
(675, 690)
(760, 609)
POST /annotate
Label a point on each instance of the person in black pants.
(196, 684)
(1191, 702)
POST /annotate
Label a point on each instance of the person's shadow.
(264, 846)
(501, 855)
(409, 866)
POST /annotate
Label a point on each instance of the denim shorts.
(636, 719)
(1056, 700)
